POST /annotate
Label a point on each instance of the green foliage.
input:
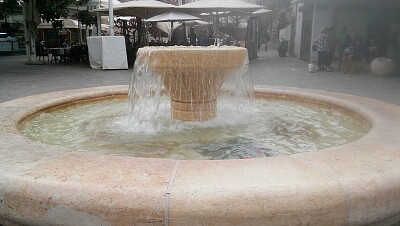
(57, 25)
(280, 17)
(53, 10)
(282, 21)
(8, 7)
(86, 18)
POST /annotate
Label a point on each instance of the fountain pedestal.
(193, 76)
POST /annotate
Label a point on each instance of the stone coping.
(354, 184)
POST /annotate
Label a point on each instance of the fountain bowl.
(193, 76)
(354, 184)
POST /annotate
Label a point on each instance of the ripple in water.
(251, 129)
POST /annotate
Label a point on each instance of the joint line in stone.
(168, 192)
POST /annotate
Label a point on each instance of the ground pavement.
(18, 79)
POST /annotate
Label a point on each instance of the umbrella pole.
(216, 24)
(236, 27)
(172, 30)
(98, 25)
(146, 30)
(111, 16)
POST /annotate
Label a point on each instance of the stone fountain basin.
(353, 184)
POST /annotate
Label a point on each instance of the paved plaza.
(18, 79)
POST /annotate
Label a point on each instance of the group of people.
(327, 42)
(351, 49)
(178, 38)
(204, 39)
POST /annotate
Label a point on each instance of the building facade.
(365, 19)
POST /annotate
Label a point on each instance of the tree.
(279, 18)
(282, 21)
(53, 10)
(86, 18)
(8, 7)
(50, 11)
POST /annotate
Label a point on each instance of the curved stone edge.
(353, 184)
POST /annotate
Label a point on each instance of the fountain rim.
(359, 176)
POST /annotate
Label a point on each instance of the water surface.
(252, 129)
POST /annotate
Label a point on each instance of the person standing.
(192, 37)
(332, 43)
(344, 41)
(322, 49)
(204, 39)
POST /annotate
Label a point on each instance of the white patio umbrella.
(212, 6)
(219, 6)
(68, 23)
(142, 8)
(197, 22)
(259, 12)
(166, 27)
(172, 16)
(91, 4)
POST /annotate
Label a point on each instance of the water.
(193, 78)
(242, 129)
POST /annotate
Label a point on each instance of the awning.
(144, 9)
(68, 23)
(171, 17)
(219, 6)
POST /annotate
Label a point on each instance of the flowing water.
(242, 129)
(191, 76)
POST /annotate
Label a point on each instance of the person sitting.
(372, 50)
(184, 41)
(351, 54)
(42, 50)
(204, 39)
(65, 44)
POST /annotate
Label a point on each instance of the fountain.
(192, 76)
(194, 79)
(351, 183)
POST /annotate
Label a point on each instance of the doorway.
(306, 35)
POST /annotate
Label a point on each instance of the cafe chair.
(41, 52)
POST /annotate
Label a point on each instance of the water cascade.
(192, 77)
(184, 83)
